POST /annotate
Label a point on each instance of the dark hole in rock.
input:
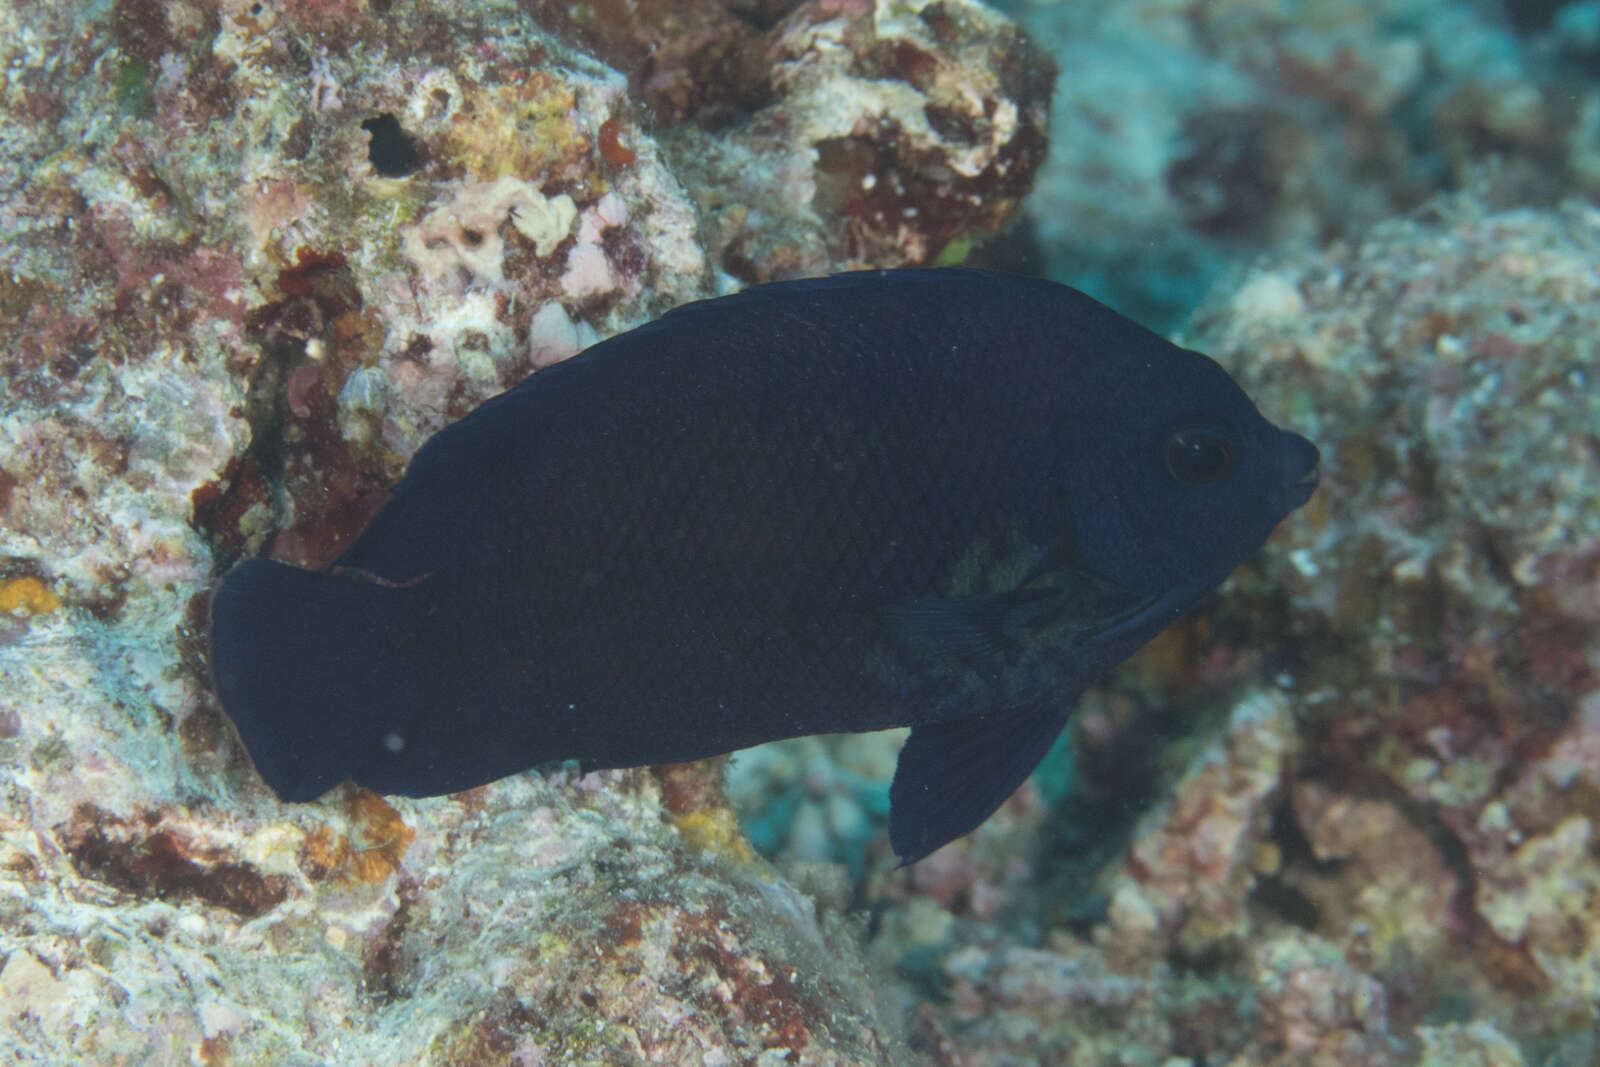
(393, 152)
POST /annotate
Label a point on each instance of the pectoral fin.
(958, 627)
(953, 775)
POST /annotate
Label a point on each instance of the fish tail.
(313, 670)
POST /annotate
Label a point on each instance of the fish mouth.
(1301, 464)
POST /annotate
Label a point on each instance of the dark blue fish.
(948, 500)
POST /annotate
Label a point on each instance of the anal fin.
(953, 775)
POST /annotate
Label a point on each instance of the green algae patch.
(132, 89)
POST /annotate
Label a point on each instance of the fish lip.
(1302, 490)
(1302, 462)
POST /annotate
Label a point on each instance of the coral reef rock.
(254, 254)
(898, 133)
(1442, 601)
(1224, 127)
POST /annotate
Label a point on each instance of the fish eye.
(1199, 457)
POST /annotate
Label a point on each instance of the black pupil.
(1198, 457)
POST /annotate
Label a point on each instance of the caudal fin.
(314, 669)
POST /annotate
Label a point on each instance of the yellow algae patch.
(523, 129)
(715, 830)
(27, 595)
(692, 795)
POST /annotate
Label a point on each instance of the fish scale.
(947, 500)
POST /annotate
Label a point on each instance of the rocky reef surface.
(254, 253)
(1190, 137)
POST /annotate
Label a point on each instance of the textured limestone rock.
(254, 255)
